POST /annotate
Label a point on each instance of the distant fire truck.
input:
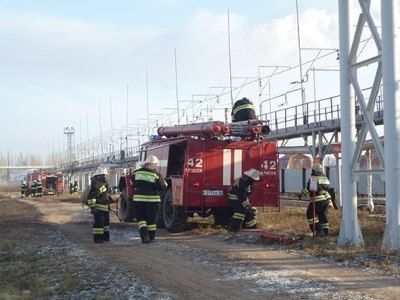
(200, 163)
(52, 182)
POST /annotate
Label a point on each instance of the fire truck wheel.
(174, 216)
(127, 212)
(160, 216)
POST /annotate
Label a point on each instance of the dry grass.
(7, 187)
(292, 220)
(26, 272)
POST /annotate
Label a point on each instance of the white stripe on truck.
(237, 163)
(226, 167)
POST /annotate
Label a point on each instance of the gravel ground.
(51, 250)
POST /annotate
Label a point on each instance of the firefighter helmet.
(317, 168)
(100, 171)
(152, 159)
(253, 174)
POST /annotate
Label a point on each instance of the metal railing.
(106, 158)
(311, 113)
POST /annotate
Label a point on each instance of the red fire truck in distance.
(200, 163)
(52, 182)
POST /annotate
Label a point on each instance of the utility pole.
(176, 87)
(127, 105)
(111, 120)
(87, 126)
(350, 233)
(69, 132)
(101, 134)
(391, 98)
(303, 99)
(147, 102)
(230, 60)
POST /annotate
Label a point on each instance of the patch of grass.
(26, 271)
(7, 245)
(292, 220)
(9, 292)
(40, 287)
(68, 282)
(36, 274)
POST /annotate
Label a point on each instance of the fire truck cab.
(200, 170)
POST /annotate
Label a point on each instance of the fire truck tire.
(160, 216)
(174, 216)
(127, 212)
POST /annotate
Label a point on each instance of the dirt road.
(181, 266)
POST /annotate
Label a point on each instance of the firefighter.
(243, 110)
(238, 198)
(71, 188)
(148, 185)
(23, 188)
(39, 187)
(322, 202)
(75, 187)
(33, 189)
(98, 201)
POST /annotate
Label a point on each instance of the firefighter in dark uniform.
(322, 202)
(98, 201)
(75, 187)
(148, 185)
(39, 188)
(33, 188)
(238, 198)
(23, 188)
(243, 110)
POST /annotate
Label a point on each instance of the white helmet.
(152, 159)
(317, 167)
(253, 174)
(100, 171)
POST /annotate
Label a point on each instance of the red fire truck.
(200, 163)
(52, 182)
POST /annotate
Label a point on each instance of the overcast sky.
(60, 59)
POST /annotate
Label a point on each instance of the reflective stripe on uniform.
(146, 176)
(103, 189)
(305, 192)
(91, 202)
(323, 180)
(141, 224)
(327, 196)
(233, 197)
(251, 223)
(246, 202)
(151, 227)
(98, 230)
(319, 198)
(102, 207)
(238, 216)
(324, 225)
(106, 228)
(241, 107)
(146, 198)
(310, 221)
